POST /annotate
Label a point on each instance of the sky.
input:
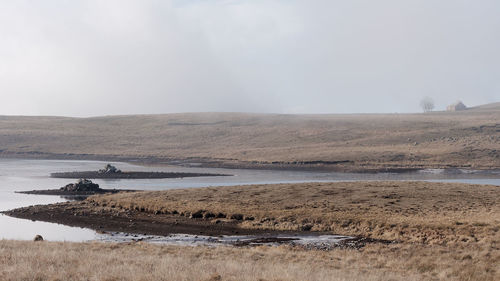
(109, 57)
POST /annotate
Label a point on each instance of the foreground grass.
(140, 261)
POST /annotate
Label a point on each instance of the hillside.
(490, 106)
(469, 139)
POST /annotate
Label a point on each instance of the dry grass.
(465, 139)
(446, 232)
(423, 212)
(140, 261)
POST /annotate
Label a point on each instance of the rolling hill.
(356, 142)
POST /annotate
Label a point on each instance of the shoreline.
(408, 211)
(113, 220)
(344, 166)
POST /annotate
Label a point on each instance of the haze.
(87, 58)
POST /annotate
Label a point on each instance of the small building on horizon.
(458, 106)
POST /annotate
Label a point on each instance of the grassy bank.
(468, 139)
(421, 212)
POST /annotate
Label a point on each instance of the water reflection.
(19, 229)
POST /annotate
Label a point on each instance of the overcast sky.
(87, 58)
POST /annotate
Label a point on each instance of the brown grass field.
(443, 231)
(362, 142)
(34, 261)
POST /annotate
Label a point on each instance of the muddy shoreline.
(113, 220)
(345, 166)
(83, 214)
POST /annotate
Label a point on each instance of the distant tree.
(427, 104)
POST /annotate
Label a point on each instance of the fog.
(88, 58)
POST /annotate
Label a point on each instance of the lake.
(23, 175)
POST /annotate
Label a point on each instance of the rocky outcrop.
(76, 191)
(83, 185)
(109, 169)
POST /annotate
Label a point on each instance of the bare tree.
(427, 104)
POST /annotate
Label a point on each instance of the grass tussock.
(416, 212)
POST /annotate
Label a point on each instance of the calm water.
(21, 175)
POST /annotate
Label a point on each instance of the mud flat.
(306, 241)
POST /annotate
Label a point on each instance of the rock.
(109, 169)
(197, 214)
(237, 217)
(38, 237)
(209, 215)
(306, 227)
(83, 185)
